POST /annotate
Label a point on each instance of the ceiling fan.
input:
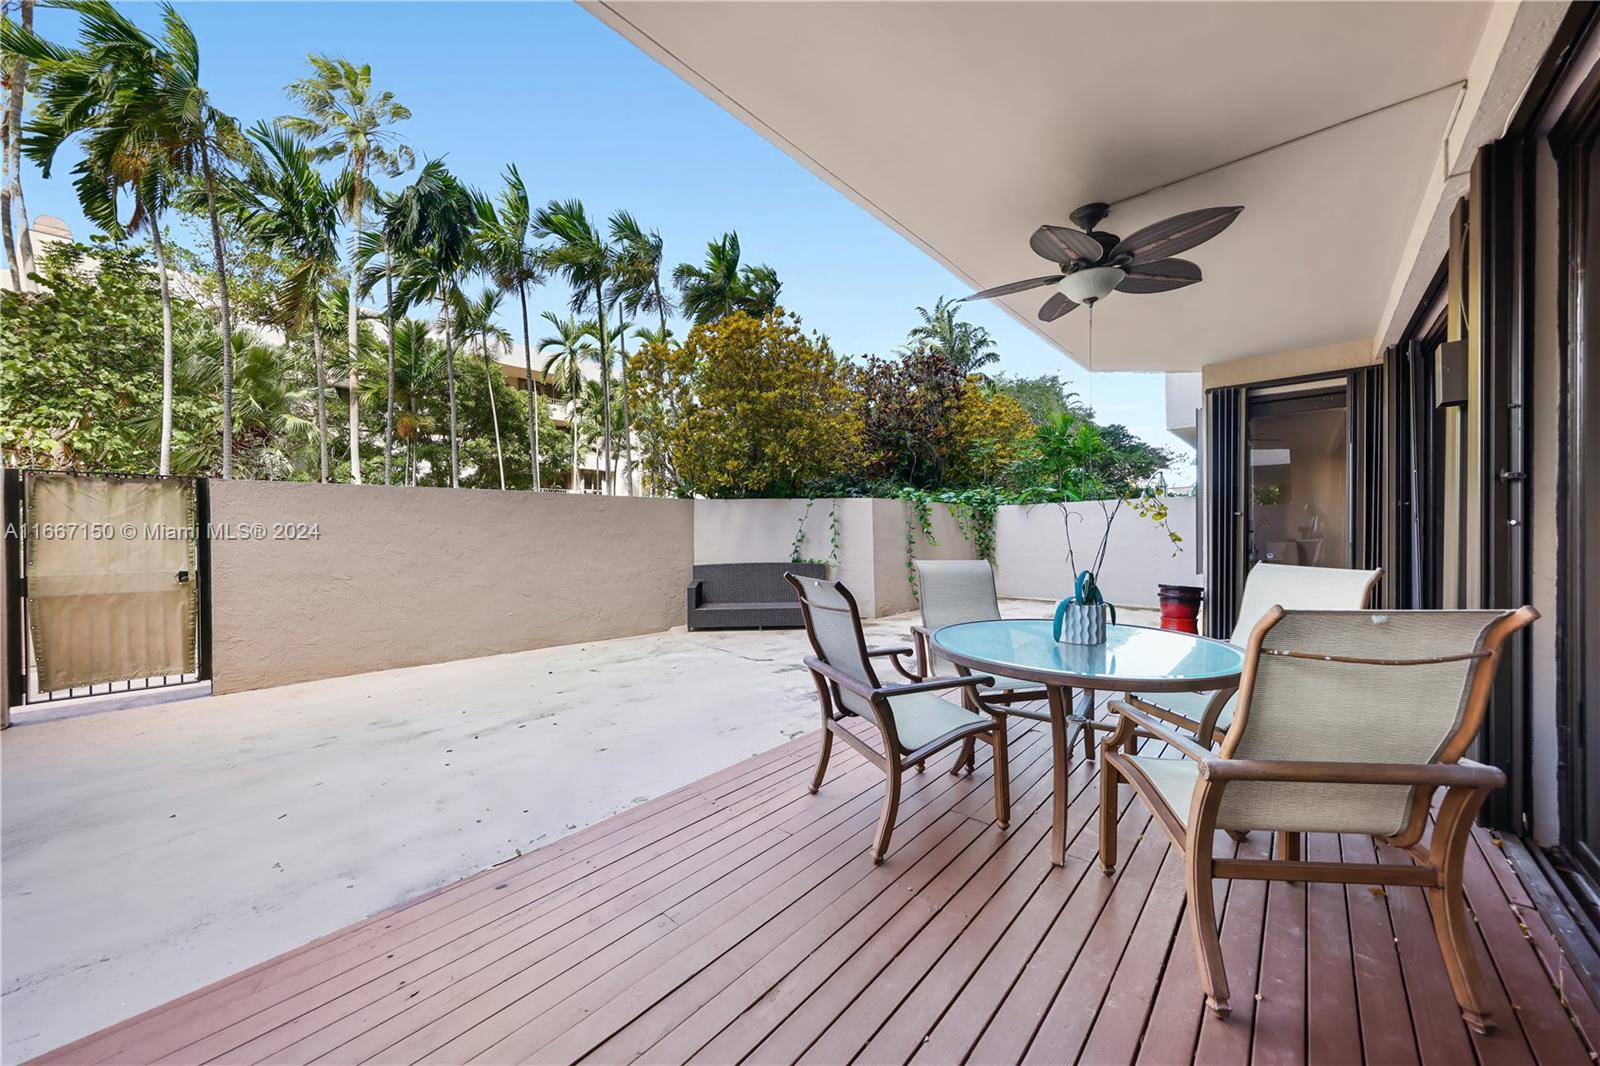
(1093, 263)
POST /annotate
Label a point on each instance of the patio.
(736, 917)
(151, 851)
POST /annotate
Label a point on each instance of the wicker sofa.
(747, 595)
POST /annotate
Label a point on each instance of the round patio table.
(1133, 659)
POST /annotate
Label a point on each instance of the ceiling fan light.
(1091, 283)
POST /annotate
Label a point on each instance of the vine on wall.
(797, 546)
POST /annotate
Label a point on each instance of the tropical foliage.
(311, 307)
(745, 407)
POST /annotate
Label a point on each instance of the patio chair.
(951, 591)
(1347, 722)
(1298, 588)
(913, 721)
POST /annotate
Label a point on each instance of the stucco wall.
(1031, 549)
(871, 557)
(401, 576)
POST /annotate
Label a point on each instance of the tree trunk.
(572, 424)
(450, 382)
(494, 414)
(165, 466)
(388, 319)
(352, 337)
(19, 244)
(322, 397)
(608, 476)
(533, 390)
(627, 438)
(227, 312)
(661, 305)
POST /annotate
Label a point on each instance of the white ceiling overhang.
(966, 125)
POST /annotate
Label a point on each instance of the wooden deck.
(739, 919)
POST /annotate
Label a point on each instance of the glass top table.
(1136, 658)
(1133, 659)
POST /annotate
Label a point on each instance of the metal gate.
(108, 580)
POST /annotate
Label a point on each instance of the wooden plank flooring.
(739, 919)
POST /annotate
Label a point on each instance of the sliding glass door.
(1297, 440)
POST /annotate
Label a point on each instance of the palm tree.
(345, 118)
(373, 245)
(19, 245)
(283, 202)
(721, 287)
(433, 233)
(565, 352)
(117, 155)
(653, 336)
(513, 263)
(639, 261)
(149, 126)
(581, 255)
(270, 399)
(966, 345)
(477, 316)
(618, 337)
(416, 368)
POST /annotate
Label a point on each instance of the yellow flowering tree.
(989, 431)
(745, 407)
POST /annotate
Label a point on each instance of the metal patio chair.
(951, 591)
(1347, 722)
(1298, 588)
(913, 721)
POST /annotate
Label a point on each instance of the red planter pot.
(1180, 607)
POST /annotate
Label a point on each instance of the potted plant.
(1086, 469)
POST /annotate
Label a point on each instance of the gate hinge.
(1512, 475)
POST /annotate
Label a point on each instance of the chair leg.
(965, 760)
(1002, 774)
(1451, 922)
(1086, 732)
(891, 805)
(1238, 836)
(822, 761)
(1109, 780)
(1289, 846)
(1197, 883)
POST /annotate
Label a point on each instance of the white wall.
(872, 541)
(1031, 549)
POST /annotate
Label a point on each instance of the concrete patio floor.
(147, 852)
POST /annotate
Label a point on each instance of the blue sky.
(583, 113)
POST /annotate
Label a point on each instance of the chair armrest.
(695, 588)
(1463, 774)
(1154, 728)
(922, 637)
(936, 684)
(898, 650)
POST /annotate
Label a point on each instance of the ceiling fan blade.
(1055, 307)
(1173, 235)
(1013, 286)
(1061, 245)
(1163, 275)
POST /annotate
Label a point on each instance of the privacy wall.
(1031, 550)
(314, 581)
(863, 541)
